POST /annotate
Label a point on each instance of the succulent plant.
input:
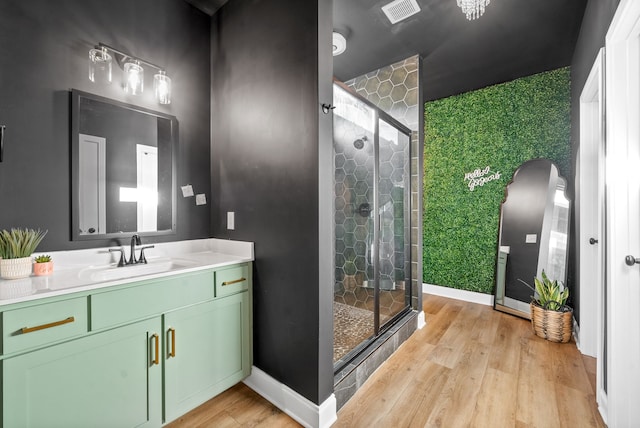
(43, 258)
(18, 243)
(549, 294)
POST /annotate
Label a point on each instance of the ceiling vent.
(398, 10)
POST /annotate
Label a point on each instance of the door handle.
(593, 241)
(630, 260)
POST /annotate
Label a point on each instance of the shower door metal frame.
(379, 115)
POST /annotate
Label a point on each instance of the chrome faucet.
(135, 240)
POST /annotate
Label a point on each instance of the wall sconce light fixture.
(133, 78)
(100, 59)
(162, 87)
(100, 65)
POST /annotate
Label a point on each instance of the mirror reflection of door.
(147, 190)
(555, 224)
(92, 190)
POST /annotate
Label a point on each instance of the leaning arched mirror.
(534, 232)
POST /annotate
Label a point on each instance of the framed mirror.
(123, 173)
(534, 234)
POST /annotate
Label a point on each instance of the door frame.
(591, 203)
(98, 190)
(623, 213)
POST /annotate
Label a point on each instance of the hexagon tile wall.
(395, 90)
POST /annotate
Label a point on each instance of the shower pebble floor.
(351, 326)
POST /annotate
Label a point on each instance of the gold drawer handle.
(234, 281)
(26, 330)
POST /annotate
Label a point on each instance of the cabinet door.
(109, 380)
(207, 350)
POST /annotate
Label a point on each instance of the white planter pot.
(16, 268)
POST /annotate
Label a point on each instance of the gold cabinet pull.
(234, 281)
(26, 330)
(172, 352)
(156, 358)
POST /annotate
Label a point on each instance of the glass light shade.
(100, 65)
(133, 78)
(162, 87)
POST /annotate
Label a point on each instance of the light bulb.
(162, 87)
(134, 78)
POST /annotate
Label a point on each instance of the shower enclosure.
(372, 223)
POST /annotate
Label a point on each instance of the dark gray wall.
(265, 156)
(596, 21)
(44, 48)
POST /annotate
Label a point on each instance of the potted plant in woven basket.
(551, 318)
(16, 247)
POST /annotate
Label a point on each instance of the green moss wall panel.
(499, 127)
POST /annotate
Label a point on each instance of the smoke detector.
(339, 44)
(399, 10)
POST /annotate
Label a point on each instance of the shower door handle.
(364, 209)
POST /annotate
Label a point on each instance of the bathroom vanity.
(95, 346)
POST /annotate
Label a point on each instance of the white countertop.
(83, 270)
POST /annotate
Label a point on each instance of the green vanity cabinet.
(109, 380)
(136, 355)
(206, 351)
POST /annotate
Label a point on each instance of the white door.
(623, 214)
(590, 201)
(92, 184)
(147, 194)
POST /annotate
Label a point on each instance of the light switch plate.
(531, 238)
(187, 191)
(231, 220)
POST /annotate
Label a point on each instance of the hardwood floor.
(469, 367)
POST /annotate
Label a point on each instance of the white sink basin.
(112, 272)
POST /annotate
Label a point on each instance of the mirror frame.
(76, 95)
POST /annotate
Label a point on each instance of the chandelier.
(473, 9)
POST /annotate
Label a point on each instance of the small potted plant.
(16, 247)
(43, 265)
(551, 318)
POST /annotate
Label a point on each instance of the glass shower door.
(354, 128)
(394, 249)
(372, 223)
